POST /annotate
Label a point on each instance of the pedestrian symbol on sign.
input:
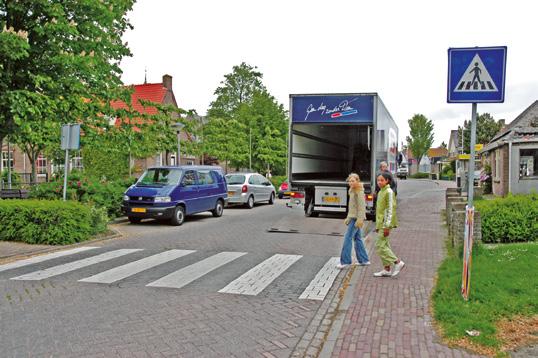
(476, 78)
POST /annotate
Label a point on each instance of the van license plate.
(138, 210)
(330, 199)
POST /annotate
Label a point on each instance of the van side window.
(205, 178)
(189, 179)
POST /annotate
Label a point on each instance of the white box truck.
(330, 136)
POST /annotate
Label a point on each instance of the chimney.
(167, 82)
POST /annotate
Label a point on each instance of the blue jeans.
(353, 233)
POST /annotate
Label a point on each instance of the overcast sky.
(395, 48)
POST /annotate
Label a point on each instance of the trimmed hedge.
(510, 219)
(420, 175)
(49, 222)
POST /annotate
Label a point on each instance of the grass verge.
(504, 288)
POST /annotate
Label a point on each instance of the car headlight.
(162, 199)
(126, 198)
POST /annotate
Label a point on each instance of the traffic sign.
(476, 74)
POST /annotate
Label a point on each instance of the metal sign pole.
(472, 158)
(66, 164)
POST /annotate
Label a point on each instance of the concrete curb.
(114, 234)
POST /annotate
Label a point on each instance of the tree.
(59, 62)
(260, 118)
(443, 145)
(486, 128)
(226, 140)
(237, 88)
(421, 136)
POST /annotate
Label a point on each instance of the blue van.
(174, 192)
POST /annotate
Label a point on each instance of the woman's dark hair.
(386, 176)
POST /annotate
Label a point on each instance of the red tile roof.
(153, 92)
(150, 92)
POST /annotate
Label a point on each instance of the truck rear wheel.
(309, 210)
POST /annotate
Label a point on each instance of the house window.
(41, 165)
(190, 162)
(5, 160)
(528, 163)
(497, 164)
(76, 163)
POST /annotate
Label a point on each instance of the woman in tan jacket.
(355, 220)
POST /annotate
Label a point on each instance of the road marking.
(71, 266)
(321, 284)
(41, 258)
(132, 268)
(258, 278)
(193, 272)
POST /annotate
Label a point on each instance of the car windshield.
(232, 179)
(160, 176)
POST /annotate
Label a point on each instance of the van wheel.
(179, 216)
(250, 202)
(219, 208)
(134, 220)
(272, 199)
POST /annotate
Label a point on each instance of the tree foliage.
(421, 136)
(486, 128)
(258, 123)
(59, 62)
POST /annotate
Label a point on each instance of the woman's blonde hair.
(356, 177)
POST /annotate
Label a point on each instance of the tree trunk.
(32, 156)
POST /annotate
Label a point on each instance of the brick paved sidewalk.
(390, 317)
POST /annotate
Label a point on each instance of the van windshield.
(160, 177)
(232, 179)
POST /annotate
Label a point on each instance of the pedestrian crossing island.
(251, 283)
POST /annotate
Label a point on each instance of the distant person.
(268, 174)
(355, 221)
(385, 221)
(384, 168)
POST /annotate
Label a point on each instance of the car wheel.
(134, 220)
(179, 216)
(272, 199)
(250, 202)
(219, 208)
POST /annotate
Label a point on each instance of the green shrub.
(277, 180)
(100, 193)
(49, 222)
(15, 177)
(509, 219)
(420, 175)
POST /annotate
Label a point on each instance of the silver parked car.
(249, 188)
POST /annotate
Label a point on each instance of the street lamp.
(178, 126)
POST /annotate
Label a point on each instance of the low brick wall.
(455, 217)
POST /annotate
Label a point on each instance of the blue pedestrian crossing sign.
(476, 74)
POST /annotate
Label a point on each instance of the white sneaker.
(367, 263)
(397, 268)
(383, 273)
(341, 266)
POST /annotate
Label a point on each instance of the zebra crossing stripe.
(74, 265)
(132, 268)
(259, 277)
(41, 258)
(321, 284)
(190, 273)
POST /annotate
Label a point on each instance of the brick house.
(513, 155)
(160, 93)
